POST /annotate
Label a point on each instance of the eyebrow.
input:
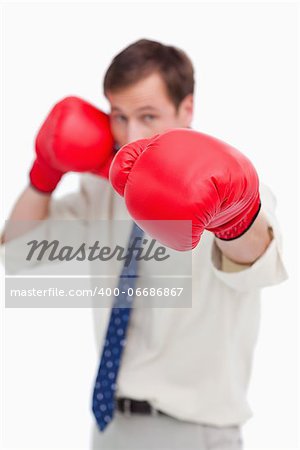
(143, 108)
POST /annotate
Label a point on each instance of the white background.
(245, 60)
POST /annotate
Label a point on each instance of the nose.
(134, 132)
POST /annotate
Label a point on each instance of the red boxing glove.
(75, 137)
(186, 175)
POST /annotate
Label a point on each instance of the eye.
(148, 118)
(119, 118)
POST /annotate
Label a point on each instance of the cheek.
(118, 131)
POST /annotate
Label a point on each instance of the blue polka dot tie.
(115, 340)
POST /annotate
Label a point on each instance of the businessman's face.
(145, 109)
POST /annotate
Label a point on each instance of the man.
(184, 373)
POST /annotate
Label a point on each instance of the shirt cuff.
(266, 271)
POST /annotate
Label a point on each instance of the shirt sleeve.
(267, 270)
(70, 206)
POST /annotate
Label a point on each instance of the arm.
(251, 245)
(75, 137)
(266, 270)
(30, 206)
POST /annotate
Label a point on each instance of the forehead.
(150, 91)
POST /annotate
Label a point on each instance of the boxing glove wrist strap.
(241, 227)
(44, 178)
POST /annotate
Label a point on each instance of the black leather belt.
(130, 406)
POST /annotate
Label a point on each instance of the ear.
(186, 110)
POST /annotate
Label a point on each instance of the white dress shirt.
(193, 363)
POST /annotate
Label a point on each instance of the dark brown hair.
(144, 57)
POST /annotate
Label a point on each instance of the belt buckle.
(127, 407)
